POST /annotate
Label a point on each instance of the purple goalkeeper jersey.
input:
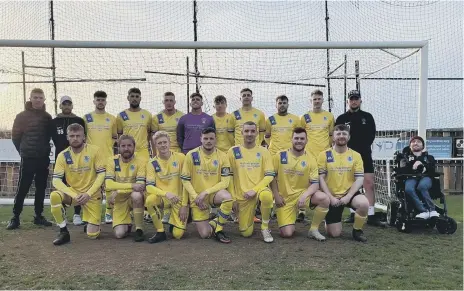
(189, 130)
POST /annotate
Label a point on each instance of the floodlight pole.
(24, 76)
(423, 83)
(329, 97)
(52, 36)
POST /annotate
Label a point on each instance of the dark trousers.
(30, 168)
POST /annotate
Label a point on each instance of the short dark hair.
(208, 130)
(169, 93)
(342, 127)
(100, 94)
(245, 90)
(299, 130)
(219, 99)
(282, 98)
(134, 90)
(74, 127)
(126, 137)
(196, 94)
(250, 123)
(317, 92)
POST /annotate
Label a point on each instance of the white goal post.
(422, 46)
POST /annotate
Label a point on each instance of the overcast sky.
(393, 103)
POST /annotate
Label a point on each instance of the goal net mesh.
(388, 79)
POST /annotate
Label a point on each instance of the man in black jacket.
(362, 131)
(415, 160)
(58, 128)
(31, 137)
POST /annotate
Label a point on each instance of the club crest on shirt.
(132, 167)
(258, 155)
(303, 164)
(143, 116)
(350, 159)
(86, 159)
(255, 115)
(290, 121)
(107, 119)
(203, 120)
(363, 121)
(215, 163)
(174, 164)
(325, 117)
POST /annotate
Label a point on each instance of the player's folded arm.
(95, 188)
(268, 177)
(57, 182)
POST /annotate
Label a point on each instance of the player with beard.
(125, 184)
(297, 187)
(341, 176)
(84, 168)
(362, 132)
(205, 176)
(136, 122)
(102, 131)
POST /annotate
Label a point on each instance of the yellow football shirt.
(208, 173)
(241, 116)
(224, 131)
(162, 121)
(280, 129)
(295, 174)
(124, 174)
(136, 124)
(101, 131)
(341, 170)
(248, 168)
(165, 174)
(319, 127)
(80, 169)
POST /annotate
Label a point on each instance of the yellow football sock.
(318, 217)
(155, 214)
(57, 209)
(266, 208)
(138, 218)
(223, 214)
(359, 221)
(109, 209)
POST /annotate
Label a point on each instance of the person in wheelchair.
(416, 160)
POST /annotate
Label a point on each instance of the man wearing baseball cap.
(58, 129)
(362, 131)
(415, 160)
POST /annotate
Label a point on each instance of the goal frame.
(423, 46)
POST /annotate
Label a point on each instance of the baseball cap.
(354, 94)
(65, 98)
(418, 138)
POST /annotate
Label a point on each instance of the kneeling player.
(165, 189)
(85, 173)
(205, 176)
(341, 176)
(252, 171)
(125, 183)
(297, 187)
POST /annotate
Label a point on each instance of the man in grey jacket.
(31, 137)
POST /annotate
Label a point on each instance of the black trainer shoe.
(349, 219)
(358, 235)
(63, 237)
(139, 237)
(374, 220)
(40, 220)
(222, 237)
(14, 223)
(158, 237)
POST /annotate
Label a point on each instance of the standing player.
(248, 113)
(319, 125)
(252, 171)
(362, 131)
(205, 176)
(224, 124)
(102, 131)
(279, 127)
(297, 186)
(167, 120)
(192, 124)
(164, 188)
(84, 168)
(59, 125)
(124, 185)
(136, 122)
(341, 176)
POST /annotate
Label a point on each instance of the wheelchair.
(401, 212)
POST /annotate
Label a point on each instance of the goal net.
(387, 78)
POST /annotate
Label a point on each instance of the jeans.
(425, 184)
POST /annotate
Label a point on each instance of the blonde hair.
(160, 134)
